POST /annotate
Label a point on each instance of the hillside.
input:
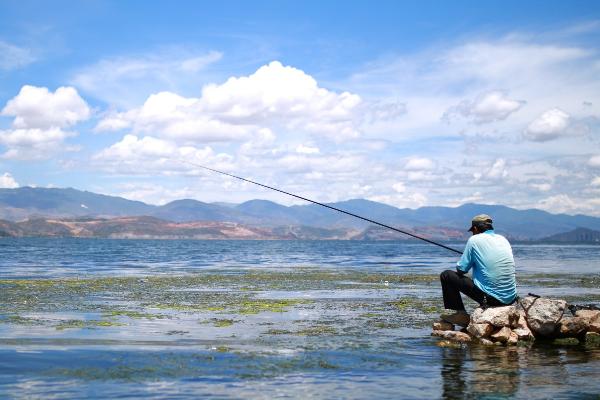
(439, 222)
(579, 235)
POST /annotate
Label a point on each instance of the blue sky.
(407, 103)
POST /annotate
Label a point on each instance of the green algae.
(85, 324)
(222, 323)
(255, 306)
(317, 330)
(132, 314)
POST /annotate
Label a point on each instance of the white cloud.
(7, 181)
(302, 149)
(550, 125)
(494, 173)
(399, 187)
(127, 80)
(274, 97)
(594, 161)
(487, 107)
(39, 118)
(150, 155)
(542, 187)
(37, 107)
(560, 203)
(419, 164)
(14, 57)
(595, 182)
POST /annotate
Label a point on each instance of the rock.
(524, 333)
(452, 335)
(573, 326)
(513, 338)
(522, 322)
(592, 318)
(592, 339)
(590, 315)
(497, 316)
(480, 330)
(486, 342)
(442, 326)
(448, 343)
(502, 335)
(542, 314)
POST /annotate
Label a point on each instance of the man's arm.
(465, 263)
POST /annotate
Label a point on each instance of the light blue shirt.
(491, 258)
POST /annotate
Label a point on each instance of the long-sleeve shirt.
(491, 258)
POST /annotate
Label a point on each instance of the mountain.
(578, 235)
(436, 222)
(24, 202)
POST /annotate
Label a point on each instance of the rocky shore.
(529, 319)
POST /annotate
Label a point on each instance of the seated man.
(493, 284)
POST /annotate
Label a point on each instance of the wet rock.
(523, 333)
(502, 335)
(442, 326)
(480, 330)
(543, 315)
(522, 322)
(592, 339)
(453, 335)
(573, 326)
(513, 338)
(497, 316)
(486, 342)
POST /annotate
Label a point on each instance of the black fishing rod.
(324, 205)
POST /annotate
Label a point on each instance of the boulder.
(480, 330)
(592, 319)
(543, 315)
(497, 316)
(513, 338)
(442, 326)
(486, 342)
(502, 335)
(452, 335)
(573, 326)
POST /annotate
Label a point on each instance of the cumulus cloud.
(13, 57)
(37, 107)
(40, 117)
(133, 155)
(595, 182)
(560, 203)
(485, 108)
(303, 149)
(275, 96)
(552, 124)
(7, 181)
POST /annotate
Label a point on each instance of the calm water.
(267, 319)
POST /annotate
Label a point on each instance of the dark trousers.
(453, 284)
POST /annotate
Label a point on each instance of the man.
(490, 257)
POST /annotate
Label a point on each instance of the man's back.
(491, 258)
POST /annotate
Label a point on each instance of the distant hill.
(439, 222)
(579, 235)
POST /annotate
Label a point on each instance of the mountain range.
(27, 203)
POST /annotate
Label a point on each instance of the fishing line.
(325, 205)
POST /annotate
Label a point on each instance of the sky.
(409, 103)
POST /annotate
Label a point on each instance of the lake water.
(268, 319)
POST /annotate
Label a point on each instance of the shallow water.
(277, 319)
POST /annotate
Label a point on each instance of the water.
(267, 319)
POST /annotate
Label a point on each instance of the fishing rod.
(325, 205)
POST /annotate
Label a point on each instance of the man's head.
(481, 223)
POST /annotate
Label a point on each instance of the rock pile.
(530, 318)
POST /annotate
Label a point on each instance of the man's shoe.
(458, 318)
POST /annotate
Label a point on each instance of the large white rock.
(497, 316)
(543, 315)
(456, 336)
(573, 326)
(592, 319)
(442, 326)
